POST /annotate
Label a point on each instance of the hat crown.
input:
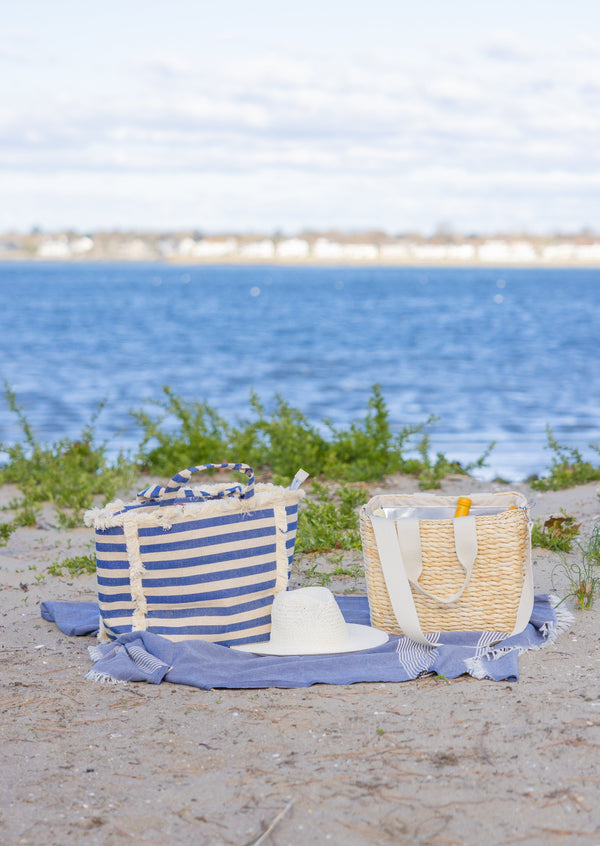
(308, 619)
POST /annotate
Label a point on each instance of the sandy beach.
(430, 761)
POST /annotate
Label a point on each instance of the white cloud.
(301, 136)
(506, 46)
(587, 44)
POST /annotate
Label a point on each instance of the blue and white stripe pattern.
(195, 564)
(172, 491)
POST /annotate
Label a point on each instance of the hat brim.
(359, 638)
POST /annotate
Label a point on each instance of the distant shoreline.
(309, 262)
(317, 249)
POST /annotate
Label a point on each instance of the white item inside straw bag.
(434, 512)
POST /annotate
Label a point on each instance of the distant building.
(586, 252)
(264, 249)
(292, 248)
(327, 250)
(135, 249)
(360, 252)
(394, 252)
(430, 252)
(461, 252)
(558, 252)
(167, 247)
(498, 251)
(323, 248)
(213, 248)
(81, 246)
(54, 248)
(185, 246)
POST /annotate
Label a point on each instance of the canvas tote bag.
(429, 572)
(185, 562)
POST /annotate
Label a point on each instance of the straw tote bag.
(429, 572)
(189, 563)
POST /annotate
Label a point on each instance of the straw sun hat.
(308, 621)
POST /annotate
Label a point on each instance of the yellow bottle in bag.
(462, 507)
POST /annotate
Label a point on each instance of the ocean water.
(495, 354)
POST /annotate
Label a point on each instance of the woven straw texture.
(490, 601)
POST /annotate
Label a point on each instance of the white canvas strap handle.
(465, 543)
(527, 596)
(396, 579)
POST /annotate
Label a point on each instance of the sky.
(263, 116)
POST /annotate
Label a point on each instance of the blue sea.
(495, 354)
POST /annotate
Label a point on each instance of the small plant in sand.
(313, 576)
(334, 569)
(353, 570)
(583, 573)
(68, 473)
(567, 469)
(329, 519)
(555, 533)
(6, 530)
(26, 516)
(76, 566)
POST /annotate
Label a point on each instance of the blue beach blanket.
(141, 656)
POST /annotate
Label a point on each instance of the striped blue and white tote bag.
(185, 562)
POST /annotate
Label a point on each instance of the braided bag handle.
(172, 490)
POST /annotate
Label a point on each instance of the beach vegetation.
(25, 516)
(279, 442)
(69, 473)
(368, 450)
(582, 571)
(177, 433)
(312, 576)
(332, 564)
(328, 519)
(77, 565)
(555, 533)
(6, 530)
(180, 433)
(567, 469)
(276, 443)
(73, 474)
(430, 473)
(352, 571)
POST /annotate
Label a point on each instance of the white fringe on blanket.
(103, 678)
(564, 620)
